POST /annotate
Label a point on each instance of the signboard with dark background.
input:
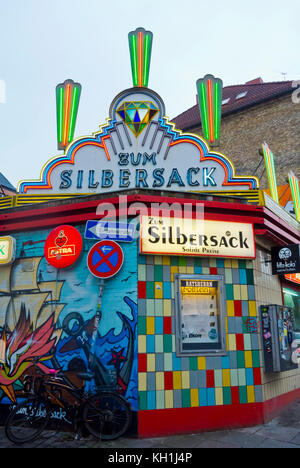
(286, 259)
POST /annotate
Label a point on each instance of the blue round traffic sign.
(105, 259)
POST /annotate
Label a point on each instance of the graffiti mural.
(49, 318)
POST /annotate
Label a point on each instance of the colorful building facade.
(137, 337)
(180, 329)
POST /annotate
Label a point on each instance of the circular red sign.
(63, 246)
(105, 259)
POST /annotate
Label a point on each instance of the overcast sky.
(44, 42)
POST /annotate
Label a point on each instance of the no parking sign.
(105, 259)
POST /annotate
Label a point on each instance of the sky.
(45, 42)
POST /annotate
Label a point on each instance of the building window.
(200, 311)
(292, 299)
(225, 101)
(241, 95)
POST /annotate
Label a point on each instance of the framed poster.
(200, 315)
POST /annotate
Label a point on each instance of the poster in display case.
(277, 333)
(200, 307)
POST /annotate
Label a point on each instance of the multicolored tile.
(170, 381)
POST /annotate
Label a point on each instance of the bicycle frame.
(47, 392)
(84, 411)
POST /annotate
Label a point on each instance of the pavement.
(282, 432)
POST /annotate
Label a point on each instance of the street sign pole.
(97, 319)
(105, 259)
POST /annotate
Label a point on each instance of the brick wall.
(278, 123)
(268, 291)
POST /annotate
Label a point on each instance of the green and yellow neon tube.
(295, 192)
(67, 103)
(140, 46)
(209, 91)
(270, 169)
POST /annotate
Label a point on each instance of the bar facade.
(142, 256)
(139, 341)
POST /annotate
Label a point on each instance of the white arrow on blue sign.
(113, 230)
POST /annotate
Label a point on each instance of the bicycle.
(106, 415)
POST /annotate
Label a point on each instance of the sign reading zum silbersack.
(285, 259)
(138, 149)
(178, 236)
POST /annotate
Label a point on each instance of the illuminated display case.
(278, 333)
(200, 315)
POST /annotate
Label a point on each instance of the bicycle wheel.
(27, 420)
(107, 416)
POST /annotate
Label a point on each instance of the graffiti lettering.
(59, 414)
(251, 325)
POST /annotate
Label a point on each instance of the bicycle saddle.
(86, 375)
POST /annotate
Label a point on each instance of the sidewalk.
(282, 432)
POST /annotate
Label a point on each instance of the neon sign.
(293, 277)
(295, 191)
(138, 148)
(140, 45)
(67, 102)
(270, 168)
(210, 102)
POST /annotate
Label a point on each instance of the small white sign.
(7, 250)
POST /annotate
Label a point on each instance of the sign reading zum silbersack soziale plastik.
(178, 236)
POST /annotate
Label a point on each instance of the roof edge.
(239, 109)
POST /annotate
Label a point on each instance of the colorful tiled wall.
(168, 381)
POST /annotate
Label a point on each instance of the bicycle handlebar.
(59, 373)
(51, 372)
